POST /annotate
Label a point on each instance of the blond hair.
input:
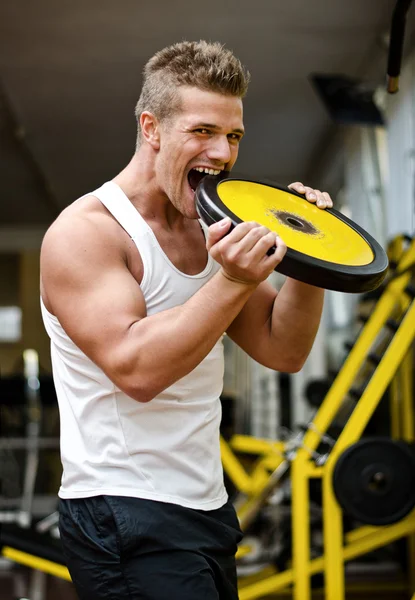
(207, 66)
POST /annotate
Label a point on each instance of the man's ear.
(150, 129)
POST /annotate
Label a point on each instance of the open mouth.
(196, 175)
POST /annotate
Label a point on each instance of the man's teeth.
(207, 171)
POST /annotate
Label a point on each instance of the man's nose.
(219, 149)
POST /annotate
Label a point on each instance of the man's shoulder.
(85, 213)
(86, 207)
(85, 222)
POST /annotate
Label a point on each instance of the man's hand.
(321, 199)
(243, 252)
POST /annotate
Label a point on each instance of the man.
(136, 296)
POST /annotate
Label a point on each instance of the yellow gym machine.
(394, 370)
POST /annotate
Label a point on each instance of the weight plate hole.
(378, 482)
(295, 222)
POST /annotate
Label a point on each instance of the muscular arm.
(277, 329)
(100, 305)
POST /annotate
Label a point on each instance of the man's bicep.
(93, 295)
(251, 328)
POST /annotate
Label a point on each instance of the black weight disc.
(374, 481)
(324, 248)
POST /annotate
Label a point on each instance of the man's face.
(203, 136)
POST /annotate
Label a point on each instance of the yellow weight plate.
(324, 248)
(301, 225)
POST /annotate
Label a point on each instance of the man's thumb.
(217, 231)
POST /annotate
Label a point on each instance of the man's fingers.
(238, 233)
(329, 201)
(310, 194)
(321, 199)
(243, 253)
(297, 186)
(259, 238)
(261, 241)
(280, 251)
(217, 231)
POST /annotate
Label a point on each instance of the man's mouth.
(196, 175)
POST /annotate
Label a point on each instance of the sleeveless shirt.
(166, 449)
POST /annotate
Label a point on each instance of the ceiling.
(70, 75)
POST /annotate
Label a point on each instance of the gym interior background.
(318, 111)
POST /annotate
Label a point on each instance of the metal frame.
(395, 369)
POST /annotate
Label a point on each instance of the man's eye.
(203, 131)
(234, 137)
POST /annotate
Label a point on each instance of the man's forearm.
(166, 346)
(295, 319)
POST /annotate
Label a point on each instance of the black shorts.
(123, 548)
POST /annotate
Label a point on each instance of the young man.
(136, 296)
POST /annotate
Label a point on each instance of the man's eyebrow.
(216, 127)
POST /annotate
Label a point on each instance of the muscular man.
(136, 297)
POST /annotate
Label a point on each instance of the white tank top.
(166, 449)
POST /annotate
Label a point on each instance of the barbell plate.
(374, 481)
(325, 248)
(302, 225)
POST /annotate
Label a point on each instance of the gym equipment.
(30, 389)
(33, 549)
(307, 466)
(374, 481)
(21, 542)
(324, 248)
(27, 397)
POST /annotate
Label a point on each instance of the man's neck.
(138, 182)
